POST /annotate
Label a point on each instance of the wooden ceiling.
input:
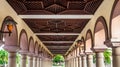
(55, 6)
(57, 44)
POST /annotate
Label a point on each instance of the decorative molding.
(57, 34)
(56, 16)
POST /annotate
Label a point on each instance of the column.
(84, 61)
(66, 63)
(79, 61)
(89, 60)
(38, 62)
(11, 55)
(23, 60)
(73, 64)
(12, 59)
(116, 54)
(76, 61)
(100, 59)
(30, 61)
(35, 61)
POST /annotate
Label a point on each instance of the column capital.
(89, 53)
(115, 42)
(23, 52)
(99, 49)
(82, 54)
(35, 55)
(30, 54)
(108, 43)
(11, 48)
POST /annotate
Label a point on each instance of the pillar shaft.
(89, 60)
(35, 62)
(66, 63)
(76, 62)
(23, 60)
(79, 61)
(116, 56)
(84, 61)
(12, 59)
(100, 59)
(38, 62)
(30, 61)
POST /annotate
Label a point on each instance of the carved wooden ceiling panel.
(57, 37)
(55, 6)
(56, 26)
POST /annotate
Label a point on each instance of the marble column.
(100, 59)
(35, 61)
(23, 60)
(73, 64)
(41, 62)
(11, 54)
(76, 62)
(30, 61)
(79, 61)
(12, 59)
(84, 61)
(38, 62)
(66, 63)
(89, 60)
(116, 54)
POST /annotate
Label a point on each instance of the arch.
(83, 40)
(11, 40)
(115, 21)
(100, 33)
(23, 40)
(112, 16)
(82, 44)
(36, 48)
(31, 45)
(88, 41)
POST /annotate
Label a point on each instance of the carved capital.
(23, 52)
(11, 48)
(115, 42)
(97, 49)
(108, 43)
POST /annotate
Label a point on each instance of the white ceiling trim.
(57, 33)
(56, 16)
(57, 41)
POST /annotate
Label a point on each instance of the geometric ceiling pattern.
(57, 26)
(57, 44)
(55, 6)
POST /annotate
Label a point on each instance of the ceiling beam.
(57, 33)
(57, 41)
(58, 50)
(56, 16)
(64, 44)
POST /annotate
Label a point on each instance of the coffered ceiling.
(57, 34)
(55, 6)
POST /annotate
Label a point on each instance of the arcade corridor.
(77, 29)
